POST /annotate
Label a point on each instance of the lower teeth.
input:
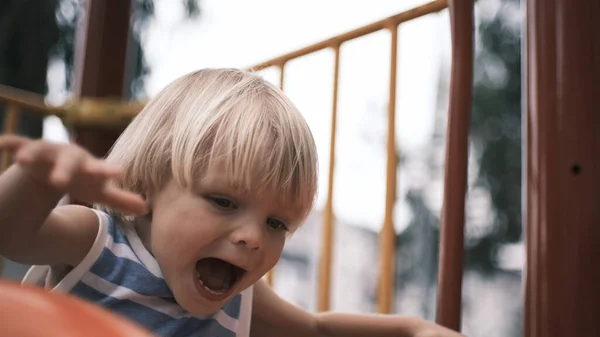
(210, 290)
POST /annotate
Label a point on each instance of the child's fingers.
(125, 201)
(65, 168)
(13, 142)
(33, 150)
(101, 168)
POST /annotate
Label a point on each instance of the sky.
(236, 33)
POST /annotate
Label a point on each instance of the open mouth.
(218, 277)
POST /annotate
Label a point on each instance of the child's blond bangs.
(224, 119)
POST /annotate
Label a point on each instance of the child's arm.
(272, 316)
(32, 230)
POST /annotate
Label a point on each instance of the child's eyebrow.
(293, 211)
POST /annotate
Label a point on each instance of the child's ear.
(149, 205)
(148, 213)
(144, 219)
(148, 201)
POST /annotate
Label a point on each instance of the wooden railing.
(387, 235)
(97, 112)
(451, 245)
(112, 113)
(14, 101)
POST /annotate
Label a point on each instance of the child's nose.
(249, 234)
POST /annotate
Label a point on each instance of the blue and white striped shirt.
(119, 274)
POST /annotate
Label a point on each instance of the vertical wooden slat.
(387, 236)
(455, 180)
(562, 182)
(11, 123)
(281, 76)
(281, 83)
(538, 19)
(324, 285)
(100, 64)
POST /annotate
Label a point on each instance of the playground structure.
(57, 315)
(562, 220)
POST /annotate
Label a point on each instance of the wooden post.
(455, 181)
(387, 235)
(270, 277)
(563, 168)
(10, 127)
(326, 259)
(100, 64)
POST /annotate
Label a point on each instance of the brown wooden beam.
(563, 168)
(449, 297)
(100, 64)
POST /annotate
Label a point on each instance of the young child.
(194, 204)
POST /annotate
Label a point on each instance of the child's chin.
(199, 306)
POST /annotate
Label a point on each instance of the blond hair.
(226, 117)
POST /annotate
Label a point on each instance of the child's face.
(212, 241)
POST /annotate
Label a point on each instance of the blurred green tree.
(28, 32)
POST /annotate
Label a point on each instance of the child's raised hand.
(70, 169)
(430, 329)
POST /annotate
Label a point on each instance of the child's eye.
(223, 203)
(276, 224)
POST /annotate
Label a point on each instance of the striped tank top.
(118, 273)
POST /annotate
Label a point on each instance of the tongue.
(215, 274)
